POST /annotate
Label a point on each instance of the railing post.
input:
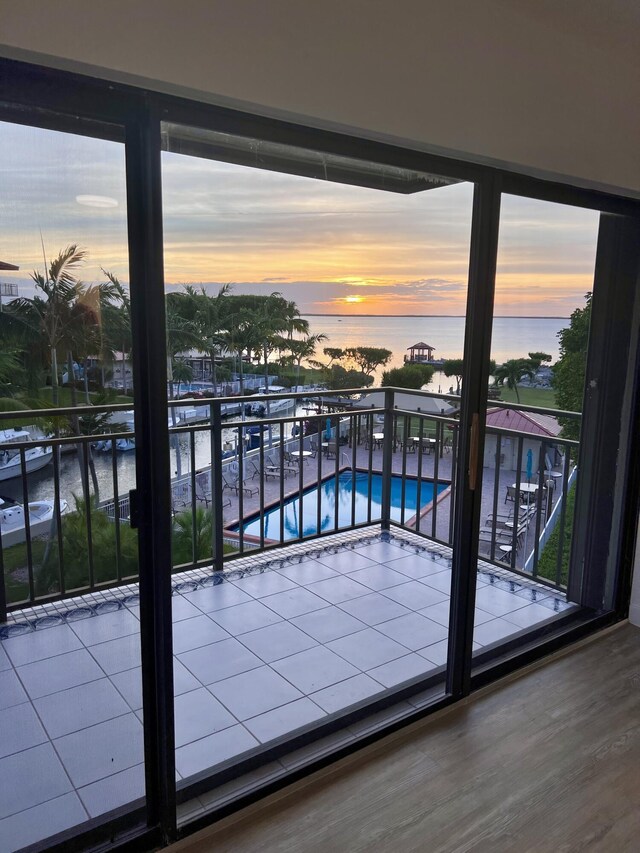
(216, 485)
(3, 592)
(387, 460)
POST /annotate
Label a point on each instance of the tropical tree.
(334, 354)
(212, 321)
(116, 323)
(570, 369)
(512, 372)
(50, 312)
(11, 371)
(536, 358)
(454, 367)
(369, 359)
(410, 376)
(304, 348)
(183, 539)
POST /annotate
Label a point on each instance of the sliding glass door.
(312, 529)
(71, 723)
(555, 307)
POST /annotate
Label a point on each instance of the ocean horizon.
(512, 337)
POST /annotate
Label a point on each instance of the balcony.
(278, 628)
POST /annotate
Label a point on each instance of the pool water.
(326, 494)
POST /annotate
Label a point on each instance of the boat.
(276, 407)
(126, 422)
(12, 519)
(35, 457)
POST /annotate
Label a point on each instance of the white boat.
(35, 457)
(12, 520)
(126, 422)
(276, 407)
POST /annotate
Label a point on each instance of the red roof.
(529, 422)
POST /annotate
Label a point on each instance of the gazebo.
(419, 353)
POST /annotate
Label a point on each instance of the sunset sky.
(332, 248)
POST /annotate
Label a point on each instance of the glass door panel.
(71, 734)
(312, 532)
(540, 337)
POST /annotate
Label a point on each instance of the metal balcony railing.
(326, 464)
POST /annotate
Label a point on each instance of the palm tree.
(116, 322)
(51, 314)
(305, 348)
(212, 320)
(293, 321)
(512, 371)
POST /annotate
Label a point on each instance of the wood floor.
(548, 761)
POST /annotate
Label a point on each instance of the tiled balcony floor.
(280, 643)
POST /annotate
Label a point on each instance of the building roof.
(408, 402)
(421, 345)
(534, 424)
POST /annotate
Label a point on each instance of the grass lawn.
(548, 562)
(543, 397)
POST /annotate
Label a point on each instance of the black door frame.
(63, 101)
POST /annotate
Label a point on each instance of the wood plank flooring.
(547, 761)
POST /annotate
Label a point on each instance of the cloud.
(316, 241)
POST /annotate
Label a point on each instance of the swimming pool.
(326, 493)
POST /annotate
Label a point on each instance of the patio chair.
(254, 469)
(181, 494)
(331, 450)
(313, 446)
(511, 494)
(203, 489)
(272, 467)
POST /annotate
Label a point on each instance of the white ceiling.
(547, 86)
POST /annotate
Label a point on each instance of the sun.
(354, 299)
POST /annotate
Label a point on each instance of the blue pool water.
(326, 493)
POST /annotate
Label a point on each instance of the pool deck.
(271, 492)
(272, 644)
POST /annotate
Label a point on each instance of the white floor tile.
(401, 669)
(100, 751)
(378, 576)
(192, 633)
(217, 597)
(284, 720)
(367, 649)
(118, 655)
(294, 602)
(219, 660)
(40, 822)
(41, 644)
(198, 714)
(79, 707)
(413, 631)
(120, 789)
(205, 753)
(328, 624)
(267, 583)
(374, 608)
(245, 617)
(254, 692)
(59, 673)
(20, 729)
(340, 696)
(11, 691)
(29, 778)
(338, 589)
(314, 669)
(106, 626)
